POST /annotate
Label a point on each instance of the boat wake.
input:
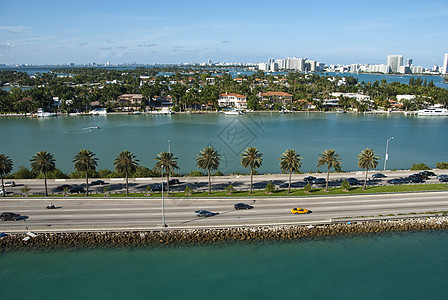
(82, 130)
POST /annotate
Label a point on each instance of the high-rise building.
(408, 62)
(394, 61)
(445, 64)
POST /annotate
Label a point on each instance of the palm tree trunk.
(87, 184)
(209, 182)
(127, 183)
(250, 192)
(3, 188)
(328, 177)
(167, 181)
(365, 181)
(289, 187)
(45, 180)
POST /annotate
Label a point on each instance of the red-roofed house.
(275, 97)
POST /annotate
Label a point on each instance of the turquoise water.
(386, 266)
(416, 139)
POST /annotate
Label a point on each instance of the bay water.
(411, 265)
(416, 139)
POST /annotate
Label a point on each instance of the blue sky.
(333, 32)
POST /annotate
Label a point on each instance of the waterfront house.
(275, 97)
(162, 101)
(232, 100)
(129, 102)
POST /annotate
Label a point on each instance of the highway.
(81, 214)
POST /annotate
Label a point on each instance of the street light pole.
(169, 147)
(387, 156)
(163, 205)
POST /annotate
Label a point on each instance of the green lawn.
(296, 192)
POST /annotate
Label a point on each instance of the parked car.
(9, 183)
(299, 210)
(239, 206)
(98, 182)
(174, 181)
(205, 213)
(77, 189)
(63, 187)
(9, 216)
(353, 181)
(318, 181)
(309, 178)
(378, 175)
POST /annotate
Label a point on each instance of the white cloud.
(13, 29)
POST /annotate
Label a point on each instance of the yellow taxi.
(299, 210)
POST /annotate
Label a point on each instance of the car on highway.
(318, 181)
(77, 189)
(9, 216)
(6, 192)
(98, 182)
(428, 173)
(353, 181)
(309, 178)
(443, 179)
(9, 183)
(299, 210)
(378, 175)
(239, 206)
(205, 213)
(285, 185)
(396, 181)
(174, 181)
(158, 187)
(63, 187)
(416, 180)
(442, 176)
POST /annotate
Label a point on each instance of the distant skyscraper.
(394, 61)
(445, 64)
(408, 62)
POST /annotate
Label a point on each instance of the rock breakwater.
(212, 236)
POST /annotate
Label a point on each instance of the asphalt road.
(117, 185)
(146, 214)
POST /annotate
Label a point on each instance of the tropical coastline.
(79, 240)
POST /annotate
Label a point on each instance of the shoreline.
(196, 237)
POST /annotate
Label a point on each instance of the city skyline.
(55, 32)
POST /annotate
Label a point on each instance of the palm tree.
(367, 160)
(167, 161)
(126, 163)
(5, 168)
(251, 158)
(208, 159)
(331, 159)
(43, 162)
(290, 162)
(84, 162)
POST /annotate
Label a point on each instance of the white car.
(6, 192)
(10, 183)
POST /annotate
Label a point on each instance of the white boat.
(163, 111)
(98, 111)
(435, 110)
(42, 114)
(234, 112)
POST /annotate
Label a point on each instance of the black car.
(309, 178)
(77, 189)
(9, 216)
(239, 206)
(174, 181)
(63, 187)
(443, 179)
(378, 175)
(158, 187)
(318, 181)
(417, 180)
(353, 181)
(98, 182)
(396, 181)
(205, 213)
(428, 173)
